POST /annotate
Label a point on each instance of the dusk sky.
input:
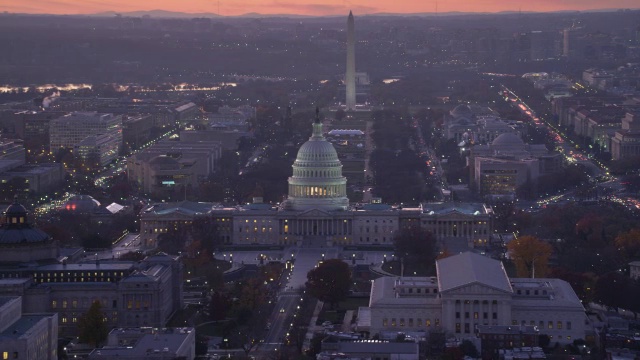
(306, 7)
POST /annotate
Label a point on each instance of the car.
(282, 310)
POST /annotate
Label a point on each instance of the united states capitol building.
(318, 213)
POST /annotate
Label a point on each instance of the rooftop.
(469, 268)
(447, 208)
(185, 207)
(165, 341)
(88, 266)
(6, 299)
(378, 347)
(23, 326)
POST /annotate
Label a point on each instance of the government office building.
(472, 291)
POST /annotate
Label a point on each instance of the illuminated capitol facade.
(317, 212)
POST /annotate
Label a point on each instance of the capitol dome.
(461, 110)
(508, 139)
(317, 181)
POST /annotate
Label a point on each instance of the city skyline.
(305, 7)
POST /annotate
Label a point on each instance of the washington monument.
(350, 76)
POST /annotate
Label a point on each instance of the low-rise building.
(131, 294)
(469, 291)
(100, 149)
(137, 130)
(40, 178)
(70, 130)
(167, 164)
(507, 163)
(495, 338)
(26, 336)
(148, 343)
(626, 142)
(368, 349)
(227, 136)
(12, 150)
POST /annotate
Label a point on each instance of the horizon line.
(124, 13)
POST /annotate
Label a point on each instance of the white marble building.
(471, 290)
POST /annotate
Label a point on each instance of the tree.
(92, 327)
(469, 349)
(629, 242)
(416, 247)
(219, 306)
(530, 255)
(611, 290)
(330, 281)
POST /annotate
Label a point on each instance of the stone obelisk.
(350, 75)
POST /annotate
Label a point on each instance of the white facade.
(69, 130)
(472, 290)
(104, 147)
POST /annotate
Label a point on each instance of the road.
(281, 320)
(434, 168)
(129, 243)
(565, 145)
(290, 296)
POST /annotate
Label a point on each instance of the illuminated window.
(385, 322)
(54, 304)
(559, 325)
(5, 355)
(550, 325)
